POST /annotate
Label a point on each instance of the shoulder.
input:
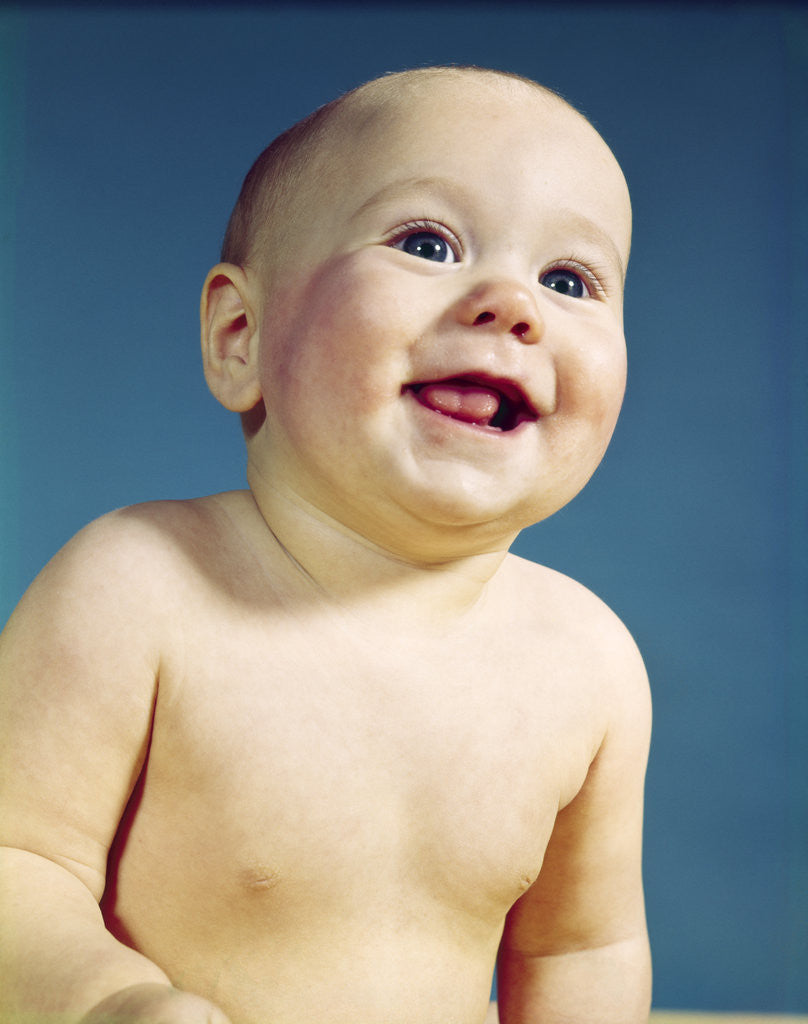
(144, 543)
(598, 641)
(111, 614)
(121, 573)
(575, 608)
(155, 528)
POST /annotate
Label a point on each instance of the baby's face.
(442, 343)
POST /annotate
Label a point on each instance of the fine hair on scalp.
(284, 169)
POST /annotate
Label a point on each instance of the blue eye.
(426, 245)
(565, 282)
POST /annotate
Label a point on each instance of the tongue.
(469, 402)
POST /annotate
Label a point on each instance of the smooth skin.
(317, 751)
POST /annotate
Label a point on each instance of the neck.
(328, 561)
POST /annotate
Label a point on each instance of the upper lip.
(516, 406)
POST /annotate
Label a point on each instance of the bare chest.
(291, 774)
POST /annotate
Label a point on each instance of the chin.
(476, 513)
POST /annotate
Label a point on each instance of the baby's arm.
(575, 946)
(79, 666)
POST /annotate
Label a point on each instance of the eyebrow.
(396, 189)
(593, 233)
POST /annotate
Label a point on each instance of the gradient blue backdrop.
(126, 132)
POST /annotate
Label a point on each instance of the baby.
(323, 751)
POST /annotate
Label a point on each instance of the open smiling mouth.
(498, 404)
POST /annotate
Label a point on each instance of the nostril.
(520, 329)
(484, 318)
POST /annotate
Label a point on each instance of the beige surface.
(678, 1017)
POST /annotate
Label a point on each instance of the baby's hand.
(154, 1004)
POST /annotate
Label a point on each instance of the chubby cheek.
(591, 385)
(340, 338)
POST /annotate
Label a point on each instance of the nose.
(505, 306)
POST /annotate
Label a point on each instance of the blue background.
(125, 135)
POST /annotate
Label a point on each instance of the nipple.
(258, 878)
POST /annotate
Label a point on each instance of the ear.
(230, 338)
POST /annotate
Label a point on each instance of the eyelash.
(432, 226)
(590, 275)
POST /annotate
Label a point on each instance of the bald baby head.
(293, 171)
